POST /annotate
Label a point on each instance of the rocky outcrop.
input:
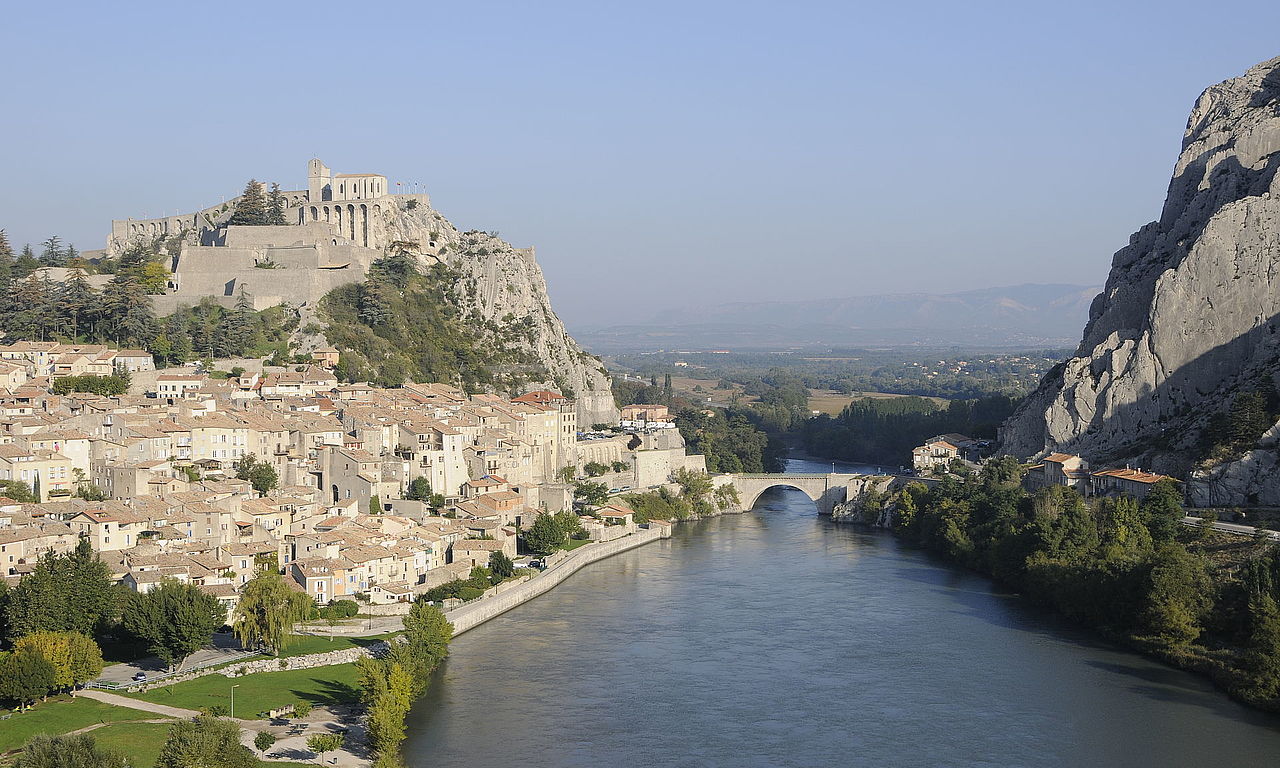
(502, 287)
(1188, 316)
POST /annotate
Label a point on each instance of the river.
(779, 638)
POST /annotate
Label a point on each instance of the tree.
(426, 641)
(544, 536)
(261, 475)
(26, 675)
(51, 254)
(77, 302)
(324, 742)
(387, 690)
(264, 740)
(275, 206)
(375, 505)
(251, 207)
(267, 611)
(1162, 508)
(566, 473)
(65, 593)
(591, 493)
(595, 468)
(1179, 595)
(18, 491)
(67, 751)
(419, 489)
(74, 657)
(620, 466)
(206, 742)
(501, 565)
(569, 523)
(174, 619)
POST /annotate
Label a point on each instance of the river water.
(778, 638)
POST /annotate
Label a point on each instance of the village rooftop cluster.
(151, 479)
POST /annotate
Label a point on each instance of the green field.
(262, 691)
(60, 716)
(303, 645)
(142, 742)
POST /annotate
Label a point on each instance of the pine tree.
(51, 255)
(26, 263)
(77, 304)
(6, 250)
(236, 331)
(251, 208)
(275, 206)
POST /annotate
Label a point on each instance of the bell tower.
(319, 181)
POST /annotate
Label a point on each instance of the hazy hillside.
(1022, 315)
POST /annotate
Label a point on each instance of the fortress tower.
(319, 181)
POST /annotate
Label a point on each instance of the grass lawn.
(59, 716)
(140, 741)
(262, 691)
(302, 645)
(575, 543)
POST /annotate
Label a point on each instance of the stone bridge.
(826, 490)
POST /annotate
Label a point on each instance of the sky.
(658, 154)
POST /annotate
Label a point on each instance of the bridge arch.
(825, 490)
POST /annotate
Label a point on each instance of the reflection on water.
(776, 638)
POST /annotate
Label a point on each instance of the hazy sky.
(656, 153)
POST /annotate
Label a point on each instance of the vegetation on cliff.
(1131, 570)
(404, 325)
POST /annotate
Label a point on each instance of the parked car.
(140, 677)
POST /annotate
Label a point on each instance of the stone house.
(1058, 469)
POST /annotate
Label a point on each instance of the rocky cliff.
(1188, 316)
(502, 287)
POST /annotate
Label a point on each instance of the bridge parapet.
(825, 489)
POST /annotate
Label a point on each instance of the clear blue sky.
(720, 150)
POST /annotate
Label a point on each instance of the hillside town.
(351, 491)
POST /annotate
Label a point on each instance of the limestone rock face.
(1188, 316)
(503, 286)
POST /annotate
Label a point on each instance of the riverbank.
(479, 611)
(1135, 574)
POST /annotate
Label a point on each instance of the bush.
(345, 609)
(264, 740)
(98, 385)
(302, 708)
(470, 593)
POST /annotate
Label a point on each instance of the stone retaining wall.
(477, 612)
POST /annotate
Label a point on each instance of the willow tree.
(267, 611)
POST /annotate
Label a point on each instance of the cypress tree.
(251, 208)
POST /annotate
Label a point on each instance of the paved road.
(1236, 528)
(225, 648)
(145, 706)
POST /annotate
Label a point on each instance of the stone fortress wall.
(338, 229)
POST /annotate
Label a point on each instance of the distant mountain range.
(1014, 316)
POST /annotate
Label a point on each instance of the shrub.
(264, 740)
(470, 593)
(302, 708)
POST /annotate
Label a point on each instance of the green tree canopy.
(67, 751)
(65, 593)
(206, 742)
(267, 611)
(174, 619)
(251, 207)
